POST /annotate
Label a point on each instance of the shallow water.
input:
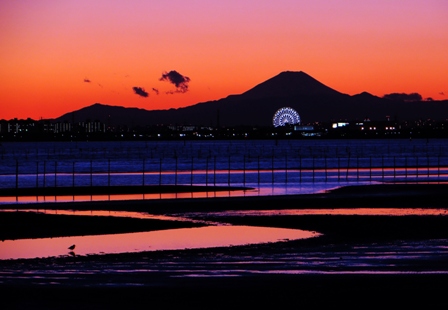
(170, 239)
(255, 190)
(334, 212)
(191, 216)
(270, 167)
(218, 235)
(400, 257)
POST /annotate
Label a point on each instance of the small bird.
(72, 247)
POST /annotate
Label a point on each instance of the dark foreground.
(263, 291)
(161, 279)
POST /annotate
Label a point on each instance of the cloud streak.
(140, 91)
(177, 79)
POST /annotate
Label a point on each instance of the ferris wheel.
(285, 115)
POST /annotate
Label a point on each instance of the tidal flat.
(379, 259)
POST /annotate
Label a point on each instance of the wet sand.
(142, 289)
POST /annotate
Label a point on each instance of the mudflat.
(139, 280)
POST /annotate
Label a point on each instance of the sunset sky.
(57, 56)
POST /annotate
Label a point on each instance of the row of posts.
(343, 171)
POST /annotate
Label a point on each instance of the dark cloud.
(87, 81)
(179, 80)
(155, 90)
(403, 97)
(442, 93)
(140, 91)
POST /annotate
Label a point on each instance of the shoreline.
(32, 224)
(397, 195)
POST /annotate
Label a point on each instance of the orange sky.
(50, 47)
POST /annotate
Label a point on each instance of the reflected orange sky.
(336, 211)
(209, 194)
(170, 239)
(274, 212)
(217, 235)
(60, 56)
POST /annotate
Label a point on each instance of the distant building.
(303, 128)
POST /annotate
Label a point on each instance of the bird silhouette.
(72, 247)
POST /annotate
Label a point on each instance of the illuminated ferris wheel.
(285, 116)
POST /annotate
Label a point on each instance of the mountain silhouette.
(288, 84)
(314, 101)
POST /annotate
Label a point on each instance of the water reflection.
(80, 198)
(172, 239)
(342, 211)
(189, 216)
(131, 214)
(257, 190)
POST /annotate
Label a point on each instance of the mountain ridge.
(314, 101)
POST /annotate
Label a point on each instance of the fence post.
(73, 175)
(37, 176)
(206, 170)
(108, 173)
(416, 166)
(175, 172)
(326, 171)
(160, 171)
(91, 171)
(45, 172)
(17, 177)
(55, 174)
(313, 168)
(191, 171)
(244, 169)
(357, 167)
(348, 166)
(394, 168)
(228, 172)
(339, 169)
(143, 172)
(406, 167)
